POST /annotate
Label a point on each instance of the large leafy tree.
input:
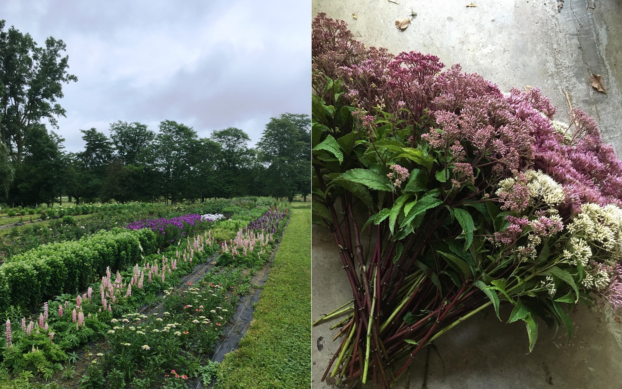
(174, 155)
(286, 147)
(31, 79)
(94, 160)
(39, 178)
(235, 159)
(130, 139)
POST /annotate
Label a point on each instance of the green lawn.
(276, 350)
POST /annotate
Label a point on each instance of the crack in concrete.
(579, 25)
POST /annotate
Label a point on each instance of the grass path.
(276, 350)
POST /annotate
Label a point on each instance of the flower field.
(154, 295)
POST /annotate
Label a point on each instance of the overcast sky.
(207, 64)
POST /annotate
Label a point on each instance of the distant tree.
(31, 79)
(173, 156)
(205, 169)
(234, 163)
(7, 171)
(94, 160)
(38, 179)
(124, 183)
(129, 140)
(286, 147)
(76, 178)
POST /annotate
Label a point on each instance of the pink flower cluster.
(511, 234)
(398, 175)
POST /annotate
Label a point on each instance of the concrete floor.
(514, 43)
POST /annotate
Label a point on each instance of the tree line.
(133, 163)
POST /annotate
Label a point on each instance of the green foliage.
(69, 221)
(94, 378)
(208, 372)
(49, 270)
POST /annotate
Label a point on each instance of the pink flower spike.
(74, 316)
(78, 301)
(41, 320)
(8, 333)
(60, 310)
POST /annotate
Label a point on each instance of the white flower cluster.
(564, 129)
(597, 278)
(542, 186)
(600, 225)
(212, 217)
(581, 252)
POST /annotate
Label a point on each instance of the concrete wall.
(514, 43)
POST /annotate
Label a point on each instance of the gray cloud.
(210, 65)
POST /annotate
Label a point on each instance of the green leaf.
(568, 298)
(417, 156)
(395, 211)
(532, 331)
(399, 250)
(442, 175)
(466, 222)
(409, 318)
(418, 181)
(368, 178)
(319, 209)
(346, 142)
(519, 312)
(410, 341)
(492, 295)
(316, 132)
(409, 206)
(357, 190)
(493, 210)
(383, 214)
(330, 144)
(566, 277)
(422, 205)
(544, 253)
(457, 263)
(564, 318)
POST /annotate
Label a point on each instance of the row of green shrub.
(49, 270)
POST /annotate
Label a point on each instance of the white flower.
(195, 321)
(100, 354)
(113, 320)
(159, 319)
(111, 332)
(177, 333)
(145, 347)
(140, 332)
(156, 330)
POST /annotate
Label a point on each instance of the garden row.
(135, 265)
(19, 239)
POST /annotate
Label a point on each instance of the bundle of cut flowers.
(470, 199)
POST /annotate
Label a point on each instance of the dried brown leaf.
(355, 17)
(597, 83)
(618, 320)
(402, 24)
(472, 5)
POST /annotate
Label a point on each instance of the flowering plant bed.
(39, 347)
(472, 198)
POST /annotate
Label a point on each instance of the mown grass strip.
(276, 350)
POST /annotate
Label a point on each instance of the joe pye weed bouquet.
(471, 198)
